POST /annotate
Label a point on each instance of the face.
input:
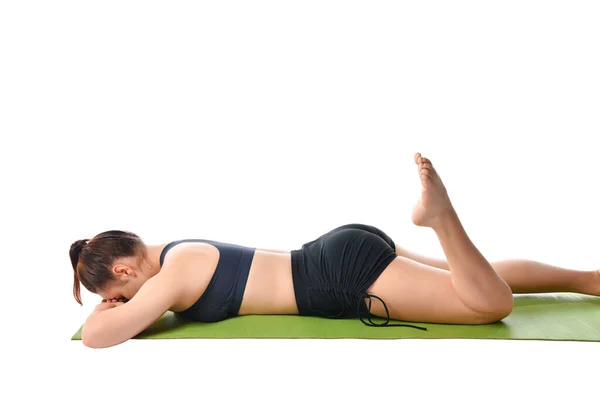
(128, 281)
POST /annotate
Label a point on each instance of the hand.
(122, 299)
(108, 303)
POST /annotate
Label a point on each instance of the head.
(113, 264)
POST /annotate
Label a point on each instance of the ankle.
(595, 279)
(445, 220)
(588, 283)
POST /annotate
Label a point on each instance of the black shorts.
(332, 273)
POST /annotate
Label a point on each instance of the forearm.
(100, 329)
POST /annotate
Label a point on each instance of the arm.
(112, 326)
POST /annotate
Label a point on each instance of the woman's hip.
(331, 273)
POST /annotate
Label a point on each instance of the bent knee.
(495, 314)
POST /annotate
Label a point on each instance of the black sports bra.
(223, 295)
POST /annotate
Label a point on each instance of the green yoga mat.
(556, 316)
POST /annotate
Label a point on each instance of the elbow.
(88, 338)
(94, 342)
(87, 342)
(91, 339)
(90, 344)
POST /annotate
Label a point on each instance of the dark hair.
(92, 261)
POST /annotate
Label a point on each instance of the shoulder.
(189, 252)
(183, 259)
(185, 271)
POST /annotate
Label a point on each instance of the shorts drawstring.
(348, 294)
(384, 324)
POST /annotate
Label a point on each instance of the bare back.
(269, 289)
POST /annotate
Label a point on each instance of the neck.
(154, 251)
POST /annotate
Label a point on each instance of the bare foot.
(434, 200)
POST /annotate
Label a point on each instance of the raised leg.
(477, 284)
(470, 291)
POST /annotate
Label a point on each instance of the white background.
(268, 123)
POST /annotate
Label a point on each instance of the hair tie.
(78, 248)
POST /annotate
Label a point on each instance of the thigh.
(418, 292)
(431, 261)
